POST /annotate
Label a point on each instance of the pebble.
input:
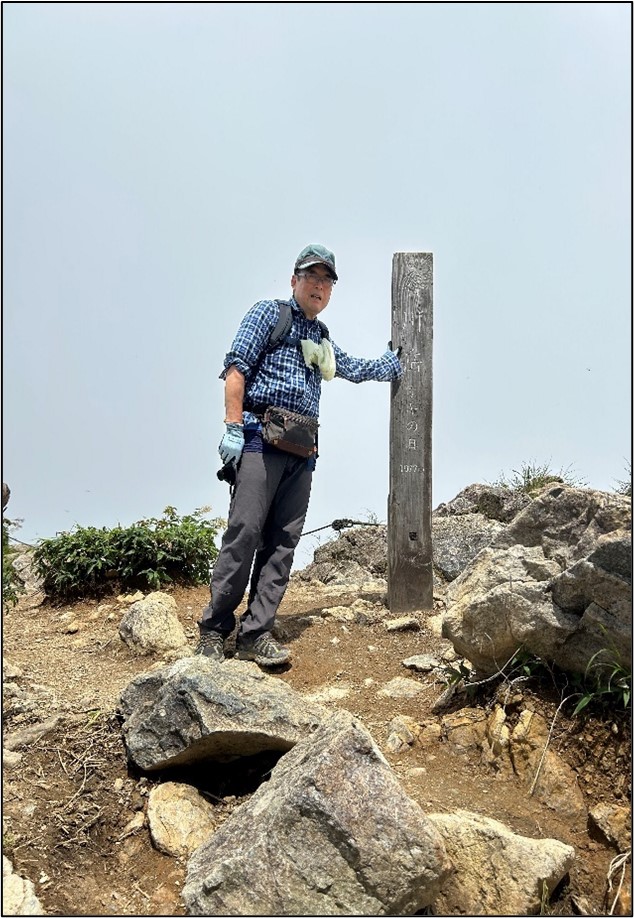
(401, 688)
(422, 662)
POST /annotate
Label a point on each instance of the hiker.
(272, 391)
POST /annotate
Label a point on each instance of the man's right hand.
(232, 444)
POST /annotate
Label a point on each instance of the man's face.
(312, 288)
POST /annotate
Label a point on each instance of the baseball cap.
(316, 255)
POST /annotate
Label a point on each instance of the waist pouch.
(290, 432)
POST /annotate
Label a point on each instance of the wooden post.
(410, 574)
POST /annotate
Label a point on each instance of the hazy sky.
(165, 163)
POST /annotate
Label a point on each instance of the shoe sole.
(261, 661)
(213, 658)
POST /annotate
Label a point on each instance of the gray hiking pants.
(266, 517)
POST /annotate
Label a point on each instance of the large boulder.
(196, 709)
(496, 871)
(354, 555)
(331, 833)
(556, 581)
(457, 537)
(491, 501)
(456, 540)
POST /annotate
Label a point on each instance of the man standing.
(272, 405)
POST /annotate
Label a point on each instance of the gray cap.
(316, 255)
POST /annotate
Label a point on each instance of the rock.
(458, 539)
(552, 582)
(353, 555)
(10, 759)
(368, 612)
(134, 825)
(338, 560)
(556, 783)
(446, 697)
(339, 613)
(6, 494)
(32, 594)
(195, 709)
(496, 871)
(403, 623)
(30, 735)
(179, 817)
(434, 624)
(24, 701)
(18, 895)
(430, 734)
(422, 662)
(374, 589)
(151, 625)
(326, 693)
(493, 502)
(402, 688)
(129, 598)
(465, 728)
(336, 832)
(403, 732)
(498, 732)
(598, 589)
(10, 672)
(615, 824)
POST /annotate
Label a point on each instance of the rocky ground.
(74, 812)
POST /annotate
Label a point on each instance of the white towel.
(322, 355)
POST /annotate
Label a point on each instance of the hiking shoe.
(264, 650)
(211, 645)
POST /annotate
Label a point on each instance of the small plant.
(454, 675)
(12, 585)
(625, 487)
(605, 683)
(532, 477)
(150, 553)
(9, 842)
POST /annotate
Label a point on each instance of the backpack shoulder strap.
(285, 323)
(324, 331)
(283, 326)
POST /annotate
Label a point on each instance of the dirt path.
(70, 805)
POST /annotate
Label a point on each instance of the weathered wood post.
(410, 576)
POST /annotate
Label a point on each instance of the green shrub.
(532, 477)
(625, 487)
(12, 586)
(148, 554)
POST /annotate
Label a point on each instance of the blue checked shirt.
(281, 377)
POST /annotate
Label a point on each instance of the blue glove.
(232, 444)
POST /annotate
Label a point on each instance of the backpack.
(280, 334)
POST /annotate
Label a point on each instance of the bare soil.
(69, 805)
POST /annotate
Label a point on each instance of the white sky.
(165, 163)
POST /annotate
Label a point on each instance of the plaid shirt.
(281, 377)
